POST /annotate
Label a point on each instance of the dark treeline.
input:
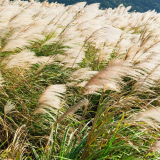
(138, 5)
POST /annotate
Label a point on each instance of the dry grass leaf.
(1, 79)
(18, 141)
(1, 121)
(50, 99)
(73, 109)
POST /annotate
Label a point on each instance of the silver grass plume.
(151, 116)
(155, 147)
(9, 107)
(50, 99)
(108, 78)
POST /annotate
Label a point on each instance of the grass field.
(77, 82)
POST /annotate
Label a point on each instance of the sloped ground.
(77, 82)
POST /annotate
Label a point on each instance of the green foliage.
(41, 49)
(91, 59)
